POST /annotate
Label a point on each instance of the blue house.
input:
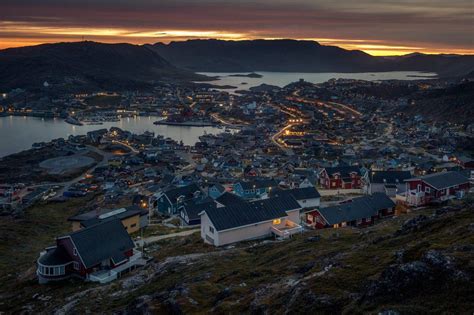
(189, 211)
(169, 201)
(254, 189)
(215, 191)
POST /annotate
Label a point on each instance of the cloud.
(401, 24)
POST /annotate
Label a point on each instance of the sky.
(378, 27)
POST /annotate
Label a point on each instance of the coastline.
(186, 124)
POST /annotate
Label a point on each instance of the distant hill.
(263, 55)
(85, 65)
(299, 56)
(454, 103)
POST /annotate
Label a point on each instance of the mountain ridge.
(86, 65)
(287, 55)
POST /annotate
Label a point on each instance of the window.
(74, 251)
(427, 190)
(277, 221)
(133, 225)
(211, 229)
(75, 264)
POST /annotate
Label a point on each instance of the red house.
(359, 212)
(344, 177)
(99, 253)
(435, 188)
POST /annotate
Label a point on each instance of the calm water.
(19, 133)
(283, 78)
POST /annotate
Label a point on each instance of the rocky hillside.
(84, 66)
(416, 263)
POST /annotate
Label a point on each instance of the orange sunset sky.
(378, 27)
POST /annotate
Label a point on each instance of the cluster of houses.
(239, 186)
(100, 247)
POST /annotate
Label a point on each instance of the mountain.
(263, 55)
(444, 65)
(299, 56)
(85, 65)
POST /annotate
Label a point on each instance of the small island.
(249, 75)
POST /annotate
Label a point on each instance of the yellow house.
(133, 218)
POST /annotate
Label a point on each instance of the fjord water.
(19, 133)
(284, 78)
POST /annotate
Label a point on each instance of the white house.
(387, 182)
(278, 216)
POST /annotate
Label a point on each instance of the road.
(279, 133)
(126, 145)
(153, 239)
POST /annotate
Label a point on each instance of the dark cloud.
(421, 23)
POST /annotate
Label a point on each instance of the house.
(434, 188)
(251, 220)
(168, 202)
(307, 197)
(189, 211)
(388, 182)
(101, 253)
(215, 191)
(358, 212)
(254, 189)
(133, 218)
(465, 162)
(228, 199)
(340, 177)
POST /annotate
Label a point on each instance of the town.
(306, 156)
(287, 161)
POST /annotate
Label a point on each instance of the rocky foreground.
(418, 263)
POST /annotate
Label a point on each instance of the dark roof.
(55, 257)
(186, 191)
(358, 208)
(246, 213)
(286, 203)
(92, 217)
(105, 240)
(389, 177)
(192, 208)
(344, 171)
(297, 193)
(264, 183)
(444, 179)
(228, 199)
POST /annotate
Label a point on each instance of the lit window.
(277, 221)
